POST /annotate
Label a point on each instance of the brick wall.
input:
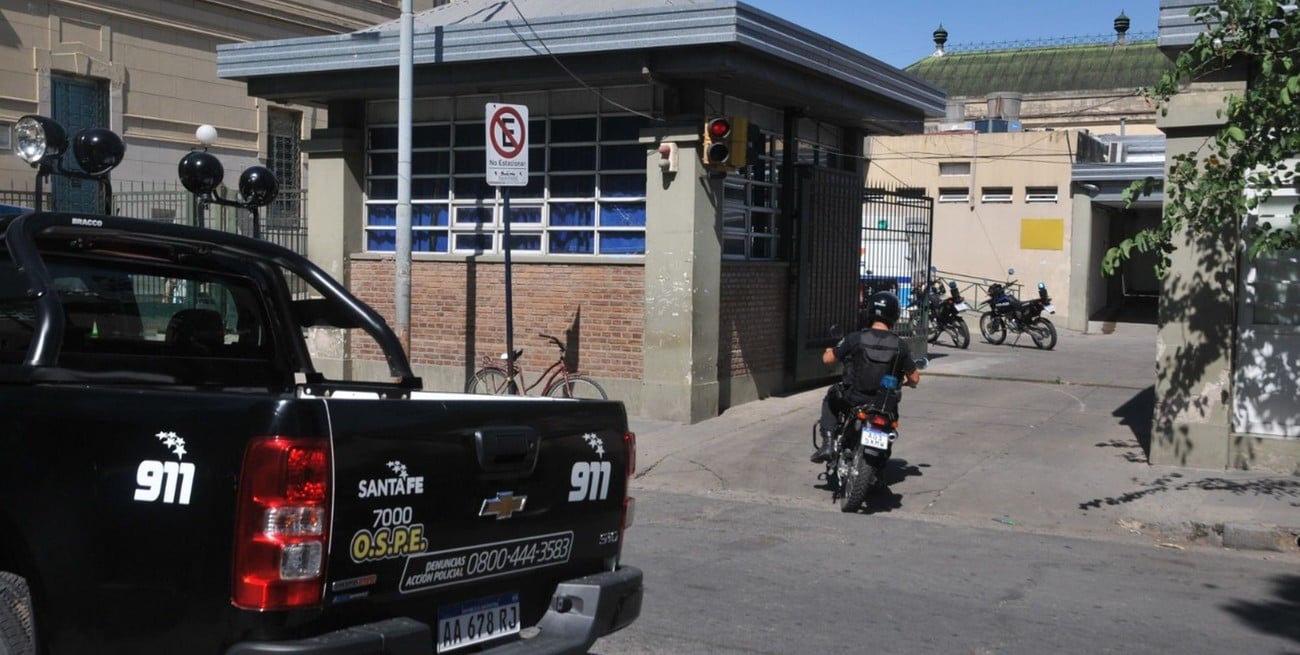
(753, 316)
(457, 312)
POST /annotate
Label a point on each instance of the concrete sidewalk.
(1009, 437)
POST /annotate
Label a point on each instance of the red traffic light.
(719, 128)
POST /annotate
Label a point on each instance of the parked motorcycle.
(945, 314)
(1008, 314)
(865, 436)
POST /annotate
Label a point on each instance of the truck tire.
(17, 636)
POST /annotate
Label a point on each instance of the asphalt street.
(1007, 436)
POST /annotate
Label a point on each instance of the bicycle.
(493, 379)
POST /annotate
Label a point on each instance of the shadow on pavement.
(1137, 414)
(880, 499)
(1271, 487)
(1275, 617)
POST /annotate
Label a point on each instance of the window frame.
(450, 229)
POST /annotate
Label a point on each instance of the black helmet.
(882, 306)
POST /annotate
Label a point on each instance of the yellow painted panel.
(1042, 233)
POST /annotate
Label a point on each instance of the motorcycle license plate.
(875, 439)
(1049, 308)
(477, 621)
(961, 306)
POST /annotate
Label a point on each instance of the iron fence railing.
(284, 222)
(975, 288)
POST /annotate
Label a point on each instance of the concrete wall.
(157, 61)
(984, 239)
(1196, 330)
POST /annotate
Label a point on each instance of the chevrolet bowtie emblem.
(503, 506)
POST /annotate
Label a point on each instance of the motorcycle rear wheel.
(960, 333)
(857, 483)
(993, 328)
(1043, 333)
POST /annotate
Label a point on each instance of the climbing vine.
(1255, 151)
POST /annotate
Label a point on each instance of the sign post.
(507, 166)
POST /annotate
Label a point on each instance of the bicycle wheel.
(488, 381)
(577, 386)
(993, 328)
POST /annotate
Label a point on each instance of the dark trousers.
(841, 399)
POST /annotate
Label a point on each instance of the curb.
(1255, 537)
(1231, 535)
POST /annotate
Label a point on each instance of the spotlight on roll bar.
(42, 142)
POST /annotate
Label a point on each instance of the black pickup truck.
(177, 477)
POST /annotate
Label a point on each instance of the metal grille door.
(77, 105)
(895, 254)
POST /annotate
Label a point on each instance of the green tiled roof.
(1045, 69)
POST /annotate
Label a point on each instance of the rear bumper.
(582, 610)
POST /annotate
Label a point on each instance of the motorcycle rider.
(869, 354)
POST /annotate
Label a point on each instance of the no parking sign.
(507, 144)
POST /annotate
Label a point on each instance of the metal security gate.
(895, 254)
(826, 262)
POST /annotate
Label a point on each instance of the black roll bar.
(44, 349)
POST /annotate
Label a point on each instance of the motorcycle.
(945, 314)
(1008, 314)
(865, 437)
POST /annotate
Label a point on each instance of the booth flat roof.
(725, 44)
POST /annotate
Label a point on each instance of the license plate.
(961, 306)
(875, 439)
(477, 621)
(1049, 308)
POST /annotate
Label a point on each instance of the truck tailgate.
(443, 506)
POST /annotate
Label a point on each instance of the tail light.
(629, 503)
(880, 422)
(282, 532)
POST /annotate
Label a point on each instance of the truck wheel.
(17, 636)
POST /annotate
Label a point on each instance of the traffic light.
(726, 142)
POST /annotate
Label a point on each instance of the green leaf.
(1234, 133)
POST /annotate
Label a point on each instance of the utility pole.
(402, 271)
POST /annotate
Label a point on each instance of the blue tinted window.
(428, 215)
(571, 242)
(428, 241)
(526, 242)
(476, 242)
(531, 215)
(622, 243)
(622, 214)
(473, 215)
(381, 215)
(572, 214)
(381, 240)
